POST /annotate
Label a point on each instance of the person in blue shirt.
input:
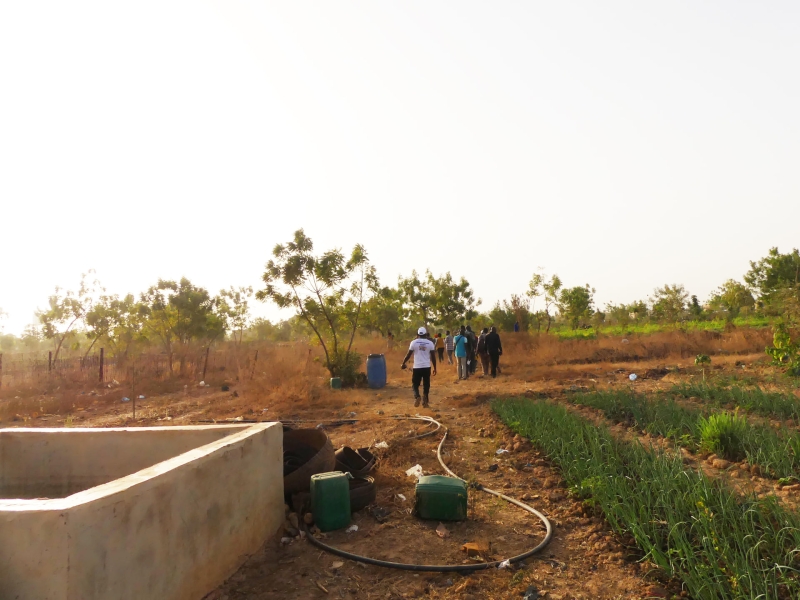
(463, 351)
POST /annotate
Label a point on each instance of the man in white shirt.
(424, 352)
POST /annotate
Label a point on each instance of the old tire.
(362, 492)
(306, 452)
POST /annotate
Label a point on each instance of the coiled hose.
(443, 568)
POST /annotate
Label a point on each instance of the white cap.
(422, 331)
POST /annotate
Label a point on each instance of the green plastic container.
(330, 500)
(336, 383)
(441, 498)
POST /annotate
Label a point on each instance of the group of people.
(465, 347)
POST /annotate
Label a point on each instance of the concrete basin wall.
(53, 463)
(174, 530)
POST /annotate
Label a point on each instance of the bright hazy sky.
(623, 144)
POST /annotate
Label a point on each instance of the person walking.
(462, 350)
(483, 355)
(494, 348)
(449, 346)
(440, 346)
(424, 353)
(389, 341)
(473, 358)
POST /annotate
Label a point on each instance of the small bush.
(347, 365)
(724, 434)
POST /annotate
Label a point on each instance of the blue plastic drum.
(376, 371)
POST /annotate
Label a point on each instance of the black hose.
(444, 568)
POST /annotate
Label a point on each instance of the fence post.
(205, 363)
(102, 357)
(255, 360)
(50, 361)
(1, 370)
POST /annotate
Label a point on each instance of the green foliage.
(784, 352)
(731, 298)
(347, 366)
(383, 312)
(548, 290)
(774, 272)
(116, 322)
(775, 405)
(702, 359)
(439, 301)
(720, 543)
(724, 434)
(178, 313)
(65, 311)
(263, 330)
(576, 304)
(669, 303)
(233, 306)
(327, 291)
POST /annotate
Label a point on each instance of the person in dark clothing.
(494, 348)
(473, 356)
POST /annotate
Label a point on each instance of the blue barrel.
(376, 371)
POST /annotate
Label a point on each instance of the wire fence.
(100, 368)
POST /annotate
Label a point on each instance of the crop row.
(729, 435)
(776, 405)
(720, 544)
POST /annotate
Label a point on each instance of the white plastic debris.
(402, 497)
(351, 415)
(352, 529)
(383, 445)
(501, 451)
(141, 396)
(202, 384)
(126, 399)
(415, 471)
(504, 565)
(633, 377)
(624, 341)
(286, 540)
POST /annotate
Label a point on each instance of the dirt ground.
(584, 560)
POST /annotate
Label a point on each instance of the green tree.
(576, 304)
(438, 300)
(773, 273)
(327, 291)
(383, 312)
(234, 308)
(64, 312)
(731, 297)
(116, 322)
(179, 313)
(264, 330)
(549, 290)
(669, 303)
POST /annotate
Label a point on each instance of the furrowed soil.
(585, 560)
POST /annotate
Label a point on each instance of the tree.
(116, 322)
(515, 310)
(437, 300)
(576, 304)
(625, 314)
(65, 311)
(327, 291)
(179, 313)
(669, 303)
(731, 297)
(234, 307)
(383, 312)
(548, 290)
(774, 272)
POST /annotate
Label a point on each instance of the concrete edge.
(138, 478)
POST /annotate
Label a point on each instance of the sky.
(621, 144)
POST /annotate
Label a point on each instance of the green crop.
(777, 452)
(720, 544)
